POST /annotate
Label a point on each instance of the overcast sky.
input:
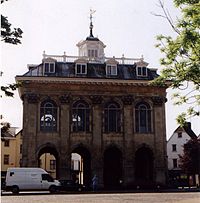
(125, 27)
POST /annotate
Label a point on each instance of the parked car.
(70, 185)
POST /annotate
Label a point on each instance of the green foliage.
(4, 129)
(12, 37)
(190, 161)
(8, 35)
(8, 90)
(181, 59)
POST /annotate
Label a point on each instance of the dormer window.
(141, 71)
(49, 67)
(81, 69)
(111, 70)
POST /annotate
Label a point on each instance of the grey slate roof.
(94, 70)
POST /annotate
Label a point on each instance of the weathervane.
(91, 25)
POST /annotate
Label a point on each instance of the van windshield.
(47, 177)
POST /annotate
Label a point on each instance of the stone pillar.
(96, 156)
(65, 157)
(30, 127)
(128, 178)
(160, 152)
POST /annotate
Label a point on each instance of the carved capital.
(127, 100)
(96, 99)
(158, 101)
(31, 98)
(65, 99)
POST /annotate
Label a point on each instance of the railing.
(66, 58)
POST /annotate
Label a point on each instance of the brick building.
(103, 108)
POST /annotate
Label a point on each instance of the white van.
(21, 179)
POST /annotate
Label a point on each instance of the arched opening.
(144, 166)
(81, 166)
(48, 160)
(112, 173)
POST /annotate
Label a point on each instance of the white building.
(175, 146)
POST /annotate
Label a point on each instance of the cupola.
(91, 48)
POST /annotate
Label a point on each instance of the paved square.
(181, 197)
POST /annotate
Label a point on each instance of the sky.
(126, 27)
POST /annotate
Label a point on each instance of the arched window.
(48, 116)
(80, 116)
(112, 117)
(143, 118)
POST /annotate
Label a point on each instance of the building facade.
(175, 147)
(103, 108)
(11, 150)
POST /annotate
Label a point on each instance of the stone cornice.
(91, 81)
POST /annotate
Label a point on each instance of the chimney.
(188, 125)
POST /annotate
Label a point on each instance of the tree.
(4, 129)
(12, 37)
(182, 56)
(7, 34)
(190, 161)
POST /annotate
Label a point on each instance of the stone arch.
(112, 171)
(144, 165)
(50, 149)
(85, 163)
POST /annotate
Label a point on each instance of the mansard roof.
(94, 70)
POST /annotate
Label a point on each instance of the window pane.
(78, 68)
(83, 69)
(6, 159)
(46, 69)
(142, 118)
(51, 68)
(48, 117)
(139, 71)
(144, 71)
(113, 70)
(112, 118)
(80, 117)
(96, 53)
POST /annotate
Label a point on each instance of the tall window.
(112, 117)
(81, 69)
(49, 67)
(174, 148)
(80, 116)
(179, 134)
(141, 71)
(143, 118)
(111, 70)
(48, 116)
(92, 53)
(7, 143)
(6, 159)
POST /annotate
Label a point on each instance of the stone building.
(103, 108)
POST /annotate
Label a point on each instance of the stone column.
(30, 127)
(96, 156)
(65, 157)
(160, 153)
(128, 178)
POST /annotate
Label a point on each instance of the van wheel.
(15, 190)
(53, 189)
